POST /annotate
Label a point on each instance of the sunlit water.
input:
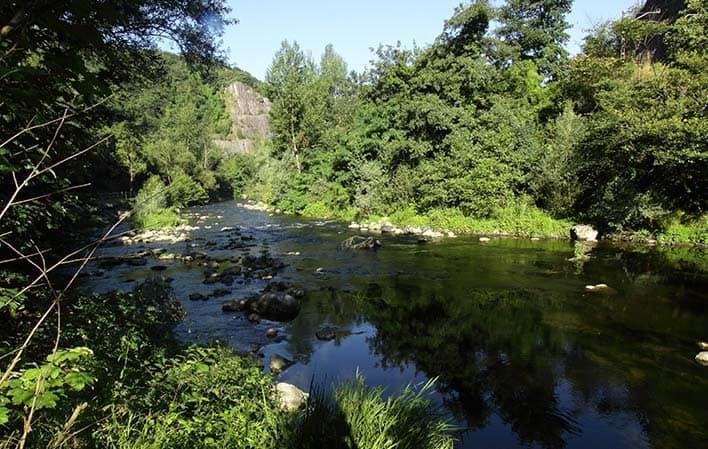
(524, 356)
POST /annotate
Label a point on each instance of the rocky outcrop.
(249, 111)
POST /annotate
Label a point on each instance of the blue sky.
(354, 26)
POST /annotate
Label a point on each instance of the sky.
(355, 26)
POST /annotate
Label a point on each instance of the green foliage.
(185, 191)
(151, 209)
(237, 172)
(684, 231)
(201, 398)
(536, 30)
(44, 386)
(357, 416)
(518, 218)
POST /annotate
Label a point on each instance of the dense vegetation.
(492, 127)
(496, 121)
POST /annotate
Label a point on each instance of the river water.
(525, 357)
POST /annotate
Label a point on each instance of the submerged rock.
(360, 242)
(278, 363)
(289, 397)
(325, 334)
(583, 232)
(220, 292)
(198, 297)
(233, 306)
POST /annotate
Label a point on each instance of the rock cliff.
(249, 118)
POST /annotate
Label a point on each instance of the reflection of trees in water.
(324, 306)
(536, 359)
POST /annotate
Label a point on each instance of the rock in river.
(233, 306)
(359, 242)
(290, 397)
(583, 232)
(278, 363)
(278, 306)
(603, 289)
(198, 297)
(702, 358)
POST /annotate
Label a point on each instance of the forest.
(493, 127)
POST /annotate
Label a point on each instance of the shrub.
(150, 207)
(184, 191)
(237, 172)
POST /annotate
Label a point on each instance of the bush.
(150, 206)
(184, 191)
(202, 398)
(687, 231)
(237, 172)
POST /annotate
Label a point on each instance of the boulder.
(702, 345)
(583, 232)
(254, 318)
(278, 363)
(289, 397)
(277, 306)
(360, 242)
(484, 239)
(272, 333)
(198, 297)
(702, 358)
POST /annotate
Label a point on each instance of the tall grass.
(357, 416)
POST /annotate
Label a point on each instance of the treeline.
(494, 120)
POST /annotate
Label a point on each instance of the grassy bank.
(518, 220)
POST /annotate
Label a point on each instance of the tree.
(289, 79)
(536, 30)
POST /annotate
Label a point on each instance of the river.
(525, 356)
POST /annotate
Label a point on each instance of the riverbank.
(519, 220)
